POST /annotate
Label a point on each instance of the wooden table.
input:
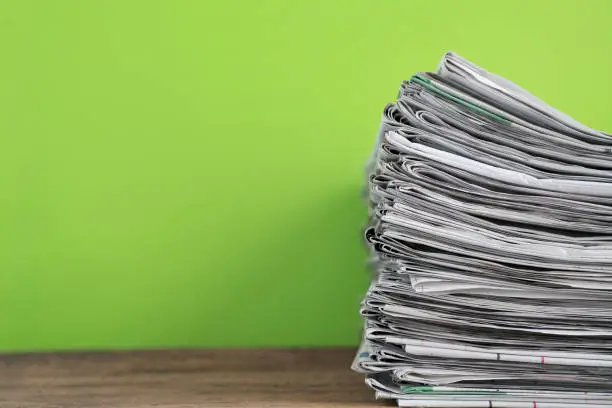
(172, 379)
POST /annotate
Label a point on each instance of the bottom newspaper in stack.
(491, 239)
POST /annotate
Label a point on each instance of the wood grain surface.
(172, 379)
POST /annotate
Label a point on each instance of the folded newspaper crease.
(490, 234)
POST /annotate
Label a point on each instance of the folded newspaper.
(490, 233)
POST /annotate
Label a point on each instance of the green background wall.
(187, 173)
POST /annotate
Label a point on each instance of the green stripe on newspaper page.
(427, 84)
(432, 391)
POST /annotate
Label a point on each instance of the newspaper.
(490, 234)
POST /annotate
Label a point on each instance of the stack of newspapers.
(490, 233)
